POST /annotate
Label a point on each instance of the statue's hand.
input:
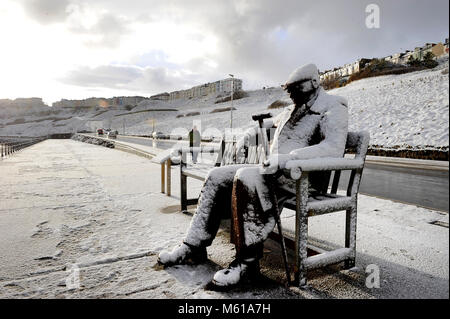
(274, 162)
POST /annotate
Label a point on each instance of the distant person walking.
(194, 141)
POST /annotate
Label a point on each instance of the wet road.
(149, 142)
(423, 187)
(428, 188)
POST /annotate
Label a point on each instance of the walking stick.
(283, 245)
(276, 214)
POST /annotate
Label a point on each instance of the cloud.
(106, 76)
(46, 11)
(328, 33)
(98, 29)
(173, 44)
(125, 77)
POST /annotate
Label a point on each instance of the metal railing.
(10, 147)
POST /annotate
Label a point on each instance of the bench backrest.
(229, 155)
(357, 144)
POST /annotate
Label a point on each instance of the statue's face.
(301, 92)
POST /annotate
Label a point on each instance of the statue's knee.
(214, 173)
(248, 175)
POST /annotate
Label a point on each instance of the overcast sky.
(77, 48)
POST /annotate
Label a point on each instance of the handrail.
(8, 148)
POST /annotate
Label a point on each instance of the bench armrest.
(163, 157)
(200, 149)
(295, 167)
(176, 152)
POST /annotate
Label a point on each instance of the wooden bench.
(325, 202)
(328, 201)
(226, 154)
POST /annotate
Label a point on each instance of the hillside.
(408, 111)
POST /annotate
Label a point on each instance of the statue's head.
(303, 84)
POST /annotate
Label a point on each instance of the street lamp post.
(232, 93)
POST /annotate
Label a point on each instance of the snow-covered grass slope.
(400, 111)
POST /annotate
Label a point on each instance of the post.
(169, 178)
(183, 182)
(350, 236)
(232, 93)
(350, 218)
(163, 176)
(301, 229)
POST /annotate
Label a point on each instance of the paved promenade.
(83, 221)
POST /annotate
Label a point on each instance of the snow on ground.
(64, 202)
(409, 110)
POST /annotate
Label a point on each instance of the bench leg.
(169, 178)
(301, 230)
(163, 178)
(183, 192)
(350, 236)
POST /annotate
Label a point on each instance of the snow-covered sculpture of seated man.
(314, 126)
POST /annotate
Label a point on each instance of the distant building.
(24, 103)
(161, 96)
(222, 86)
(102, 102)
(346, 70)
(438, 49)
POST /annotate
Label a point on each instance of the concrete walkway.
(83, 221)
